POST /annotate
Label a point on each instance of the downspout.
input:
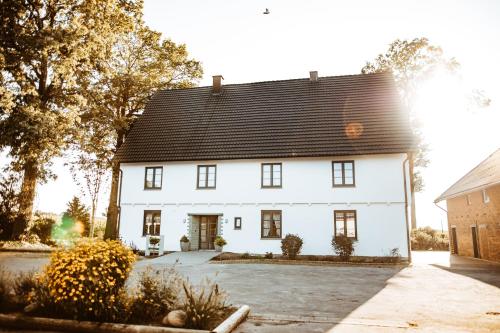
(406, 209)
(119, 207)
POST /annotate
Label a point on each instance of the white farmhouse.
(256, 161)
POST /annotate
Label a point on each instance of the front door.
(208, 231)
(474, 242)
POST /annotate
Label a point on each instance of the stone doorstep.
(276, 318)
(18, 321)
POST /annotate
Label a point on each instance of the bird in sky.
(266, 12)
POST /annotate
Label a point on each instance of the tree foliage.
(411, 63)
(141, 63)
(9, 187)
(76, 212)
(46, 49)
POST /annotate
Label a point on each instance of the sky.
(234, 39)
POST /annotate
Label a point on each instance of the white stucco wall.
(307, 200)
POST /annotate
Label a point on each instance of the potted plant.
(184, 244)
(154, 244)
(219, 242)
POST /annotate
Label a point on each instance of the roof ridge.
(441, 197)
(283, 80)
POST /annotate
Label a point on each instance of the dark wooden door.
(454, 243)
(474, 242)
(208, 231)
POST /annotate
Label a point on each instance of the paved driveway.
(433, 295)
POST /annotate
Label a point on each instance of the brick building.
(473, 205)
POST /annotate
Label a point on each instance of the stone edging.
(25, 250)
(304, 262)
(19, 321)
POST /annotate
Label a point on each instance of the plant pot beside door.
(219, 243)
(184, 244)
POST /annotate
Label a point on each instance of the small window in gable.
(486, 197)
(469, 201)
(153, 178)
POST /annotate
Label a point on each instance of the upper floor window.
(153, 177)
(345, 223)
(152, 221)
(486, 197)
(206, 176)
(469, 201)
(271, 175)
(270, 224)
(343, 173)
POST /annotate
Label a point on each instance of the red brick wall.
(486, 218)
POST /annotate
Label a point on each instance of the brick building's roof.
(334, 116)
(486, 174)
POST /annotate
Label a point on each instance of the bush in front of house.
(204, 306)
(343, 246)
(427, 238)
(42, 227)
(291, 245)
(156, 296)
(85, 281)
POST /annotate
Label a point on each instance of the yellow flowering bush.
(86, 280)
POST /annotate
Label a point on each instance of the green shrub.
(245, 255)
(291, 246)
(24, 286)
(204, 306)
(4, 289)
(427, 238)
(86, 280)
(156, 296)
(219, 241)
(343, 246)
(268, 255)
(42, 227)
(184, 239)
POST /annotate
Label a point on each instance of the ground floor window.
(152, 221)
(271, 224)
(345, 223)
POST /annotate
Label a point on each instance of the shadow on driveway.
(481, 270)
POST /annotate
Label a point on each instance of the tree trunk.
(112, 216)
(92, 220)
(26, 198)
(412, 194)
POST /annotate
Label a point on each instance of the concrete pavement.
(435, 294)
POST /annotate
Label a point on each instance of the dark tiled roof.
(486, 174)
(339, 115)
